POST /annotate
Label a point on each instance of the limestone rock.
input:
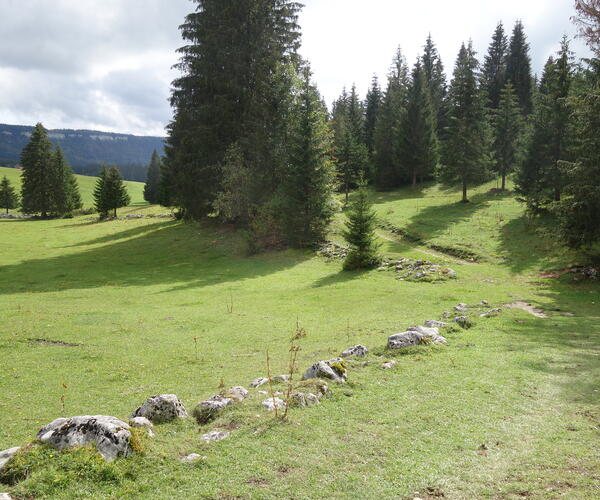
(6, 455)
(272, 403)
(415, 335)
(237, 393)
(215, 436)
(491, 312)
(161, 408)
(279, 379)
(142, 422)
(463, 321)
(303, 399)
(359, 351)
(461, 307)
(432, 323)
(192, 457)
(388, 365)
(5, 496)
(334, 370)
(258, 382)
(110, 435)
(208, 409)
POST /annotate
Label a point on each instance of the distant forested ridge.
(87, 150)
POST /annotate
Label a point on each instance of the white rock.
(280, 379)
(110, 434)
(272, 403)
(415, 336)
(388, 365)
(491, 312)
(327, 369)
(359, 351)
(6, 455)
(192, 457)
(142, 422)
(462, 307)
(258, 382)
(5, 496)
(215, 436)
(463, 321)
(237, 393)
(161, 408)
(208, 409)
(305, 399)
(432, 323)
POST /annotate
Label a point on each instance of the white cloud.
(107, 64)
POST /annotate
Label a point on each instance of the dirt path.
(519, 304)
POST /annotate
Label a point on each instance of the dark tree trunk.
(503, 182)
(464, 198)
(557, 193)
(414, 179)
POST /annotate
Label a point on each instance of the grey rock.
(272, 403)
(209, 409)
(333, 370)
(432, 323)
(279, 379)
(388, 365)
(446, 315)
(215, 436)
(237, 393)
(463, 321)
(461, 307)
(142, 422)
(483, 303)
(258, 382)
(304, 399)
(161, 408)
(110, 435)
(6, 455)
(360, 351)
(491, 312)
(416, 335)
(192, 457)
(5, 496)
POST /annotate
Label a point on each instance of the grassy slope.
(134, 294)
(86, 186)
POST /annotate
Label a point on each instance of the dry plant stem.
(271, 382)
(294, 349)
(230, 304)
(196, 347)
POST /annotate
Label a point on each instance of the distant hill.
(87, 150)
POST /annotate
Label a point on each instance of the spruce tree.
(37, 160)
(8, 196)
(63, 186)
(418, 140)
(465, 151)
(494, 67)
(152, 186)
(372, 105)
(508, 130)
(518, 67)
(307, 187)
(360, 233)
(110, 192)
(436, 81)
(389, 172)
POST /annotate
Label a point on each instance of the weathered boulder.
(161, 408)
(272, 403)
(303, 399)
(360, 351)
(110, 435)
(258, 382)
(463, 321)
(280, 379)
(6, 455)
(237, 393)
(490, 313)
(415, 335)
(210, 408)
(462, 307)
(432, 323)
(215, 436)
(334, 370)
(142, 422)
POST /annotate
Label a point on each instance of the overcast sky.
(107, 64)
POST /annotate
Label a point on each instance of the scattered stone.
(142, 422)
(258, 382)
(303, 399)
(110, 435)
(415, 335)
(432, 323)
(14, 216)
(483, 303)
(237, 393)
(461, 308)
(491, 312)
(332, 250)
(272, 403)
(446, 315)
(463, 321)
(263, 392)
(161, 408)
(192, 457)
(388, 365)
(360, 351)
(215, 436)
(6, 455)
(208, 409)
(280, 379)
(334, 370)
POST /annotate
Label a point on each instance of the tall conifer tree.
(37, 160)
(372, 105)
(508, 133)
(466, 148)
(518, 67)
(436, 81)
(494, 67)
(110, 192)
(8, 196)
(152, 186)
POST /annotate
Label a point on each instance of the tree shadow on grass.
(129, 233)
(339, 278)
(168, 253)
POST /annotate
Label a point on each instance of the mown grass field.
(508, 409)
(86, 187)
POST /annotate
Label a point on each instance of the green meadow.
(95, 317)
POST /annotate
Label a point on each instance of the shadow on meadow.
(161, 253)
